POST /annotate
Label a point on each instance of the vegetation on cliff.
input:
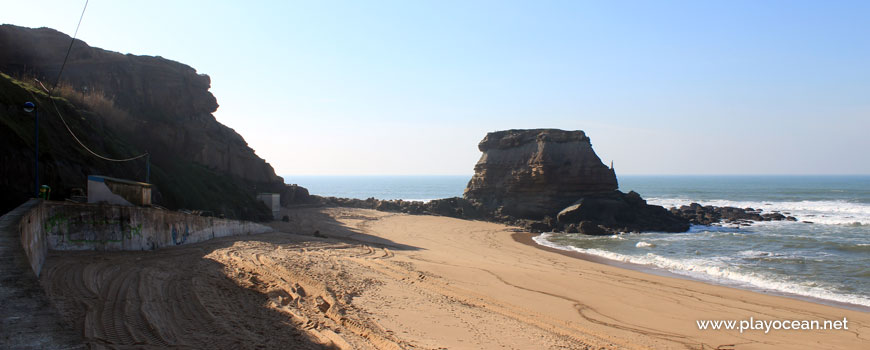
(121, 106)
(64, 165)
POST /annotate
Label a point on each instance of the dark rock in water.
(617, 212)
(710, 215)
(530, 174)
(773, 217)
(572, 228)
(591, 228)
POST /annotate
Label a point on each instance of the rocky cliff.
(534, 173)
(169, 104)
(123, 105)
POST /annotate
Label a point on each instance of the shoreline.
(527, 239)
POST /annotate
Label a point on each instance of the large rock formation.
(548, 179)
(169, 104)
(123, 105)
(535, 173)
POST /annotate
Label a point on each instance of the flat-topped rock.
(538, 172)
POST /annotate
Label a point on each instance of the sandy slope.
(369, 279)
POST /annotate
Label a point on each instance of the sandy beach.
(363, 279)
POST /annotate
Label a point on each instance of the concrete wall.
(74, 226)
(32, 236)
(273, 201)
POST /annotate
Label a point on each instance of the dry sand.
(374, 280)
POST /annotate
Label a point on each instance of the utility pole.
(147, 167)
(31, 107)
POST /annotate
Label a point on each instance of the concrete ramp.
(28, 320)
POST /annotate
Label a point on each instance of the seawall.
(29, 319)
(74, 226)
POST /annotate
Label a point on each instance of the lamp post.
(31, 107)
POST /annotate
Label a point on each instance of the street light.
(31, 107)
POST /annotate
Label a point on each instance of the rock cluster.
(615, 212)
(452, 207)
(709, 215)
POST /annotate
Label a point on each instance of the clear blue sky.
(410, 87)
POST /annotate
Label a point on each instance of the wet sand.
(353, 278)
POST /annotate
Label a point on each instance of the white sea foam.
(717, 271)
(643, 244)
(754, 253)
(821, 212)
(418, 200)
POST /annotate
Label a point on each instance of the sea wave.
(643, 244)
(713, 271)
(820, 212)
(857, 248)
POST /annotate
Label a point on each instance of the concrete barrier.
(32, 237)
(75, 226)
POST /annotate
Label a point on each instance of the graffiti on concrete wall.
(180, 237)
(86, 228)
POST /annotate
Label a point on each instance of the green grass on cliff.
(64, 165)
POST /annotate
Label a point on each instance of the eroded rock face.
(536, 173)
(169, 104)
(122, 105)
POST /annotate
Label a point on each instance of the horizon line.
(628, 174)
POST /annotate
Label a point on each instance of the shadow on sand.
(180, 297)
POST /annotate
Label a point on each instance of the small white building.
(272, 201)
(104, 189)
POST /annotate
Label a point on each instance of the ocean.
(825, 255)
(406, 187)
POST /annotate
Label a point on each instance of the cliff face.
(154, 105)
(169, 104)
(536, 173)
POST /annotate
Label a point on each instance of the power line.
(58, 109)
(68, 50)
(77, 139)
